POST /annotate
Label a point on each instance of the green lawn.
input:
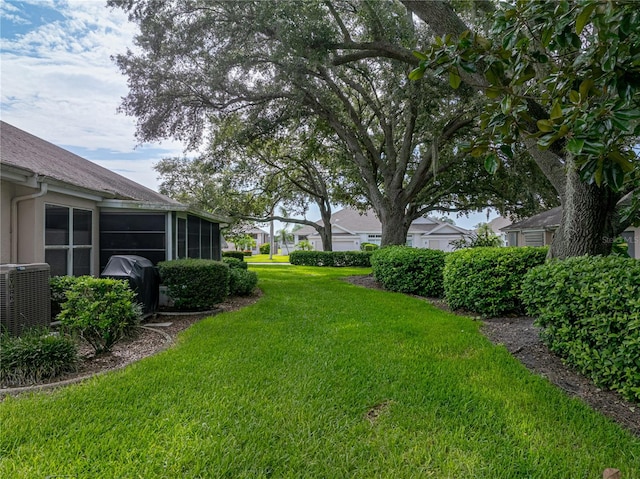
(264, 258)
(318, 379)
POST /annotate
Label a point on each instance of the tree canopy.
(563, 79)
(398, 143)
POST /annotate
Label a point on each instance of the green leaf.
(615, 177)
(597, 175)
(625, 163)
(545, 126)
(420, 56)
(585, 86)
(574, 97)
(583, 17)
(416, 74)
(627, 115)
(505, 104)
(556, 111)
(492, 92)
(454, 79)
(574, 145)
(491, 163)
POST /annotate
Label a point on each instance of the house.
(258, 234)
(59, 208)
(351, 228)
(539, 230)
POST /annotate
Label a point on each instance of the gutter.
(14, 214)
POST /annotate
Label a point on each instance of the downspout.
(14, 216)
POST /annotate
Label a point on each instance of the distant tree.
(483, 236)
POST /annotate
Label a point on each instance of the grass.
(319, 379)
(264, 258)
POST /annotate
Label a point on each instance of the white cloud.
(60, 83)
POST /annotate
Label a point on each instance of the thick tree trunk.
(588, 225)
(394, 226)
(326, 233)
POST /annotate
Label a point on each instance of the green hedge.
(330, 258)
(409, 270)
(101, 310)
(589, 308)
(233, 254)
(36, 355)
(265, 248)
(59, 285)
(242, 282)
(488, 281)
(195, 284)
(235, 263)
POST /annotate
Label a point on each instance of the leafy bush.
(247, 253)
(409, 270)
(233, 254)
(488, 281)
(368, 246)
(59, 287)
(102, 311)
(235, 263)
(330, 258)
(242, 282)
(195, 284)
(265, 248)
(304, 245)
(477, 240)
(589, 308)
(36, 355)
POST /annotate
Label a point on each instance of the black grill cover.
(142, 275)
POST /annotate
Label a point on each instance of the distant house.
(350, 229)
(61, 209)
(539, 230)
(258, 234)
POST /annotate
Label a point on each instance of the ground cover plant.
(319, 378)
(264, 258)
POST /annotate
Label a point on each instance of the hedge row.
(409, 270)
(200, 284)
(488, 281)
(331, 258)
(589, 308)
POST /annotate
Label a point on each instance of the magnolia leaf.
(625, 163)
(574, 97)
(545, 126)
(454, 79)
(491, 163)
(416, 74)
(614, 176)
(556, 111)
(419, 55)
(574, 145)
(585, 86)
(597, 175)
(583, 18)
(492, 92)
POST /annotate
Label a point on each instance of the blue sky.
(58, 82)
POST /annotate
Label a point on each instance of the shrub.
(304, 245)
(331, 258)
(36, 355)
(589, 308)
(102, 311)
(59, 287)
(233, 254)
(265, 248)
(368, 246)
(235, 263)
(195, 284)
(247, 253)
(487, 281)
(242, 282)
(409, 270)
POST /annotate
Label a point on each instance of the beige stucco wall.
(30, 231)
(7, 191)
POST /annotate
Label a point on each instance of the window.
(375, 239)
(512, 238)
(629, 238)
(534, 238)
(67, 240)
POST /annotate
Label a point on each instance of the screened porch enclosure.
(157, 236)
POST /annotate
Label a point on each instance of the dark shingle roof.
(23, 150)
(549, 219)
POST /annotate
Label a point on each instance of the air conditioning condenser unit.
(25, 297)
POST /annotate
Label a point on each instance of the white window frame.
(70, 247)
